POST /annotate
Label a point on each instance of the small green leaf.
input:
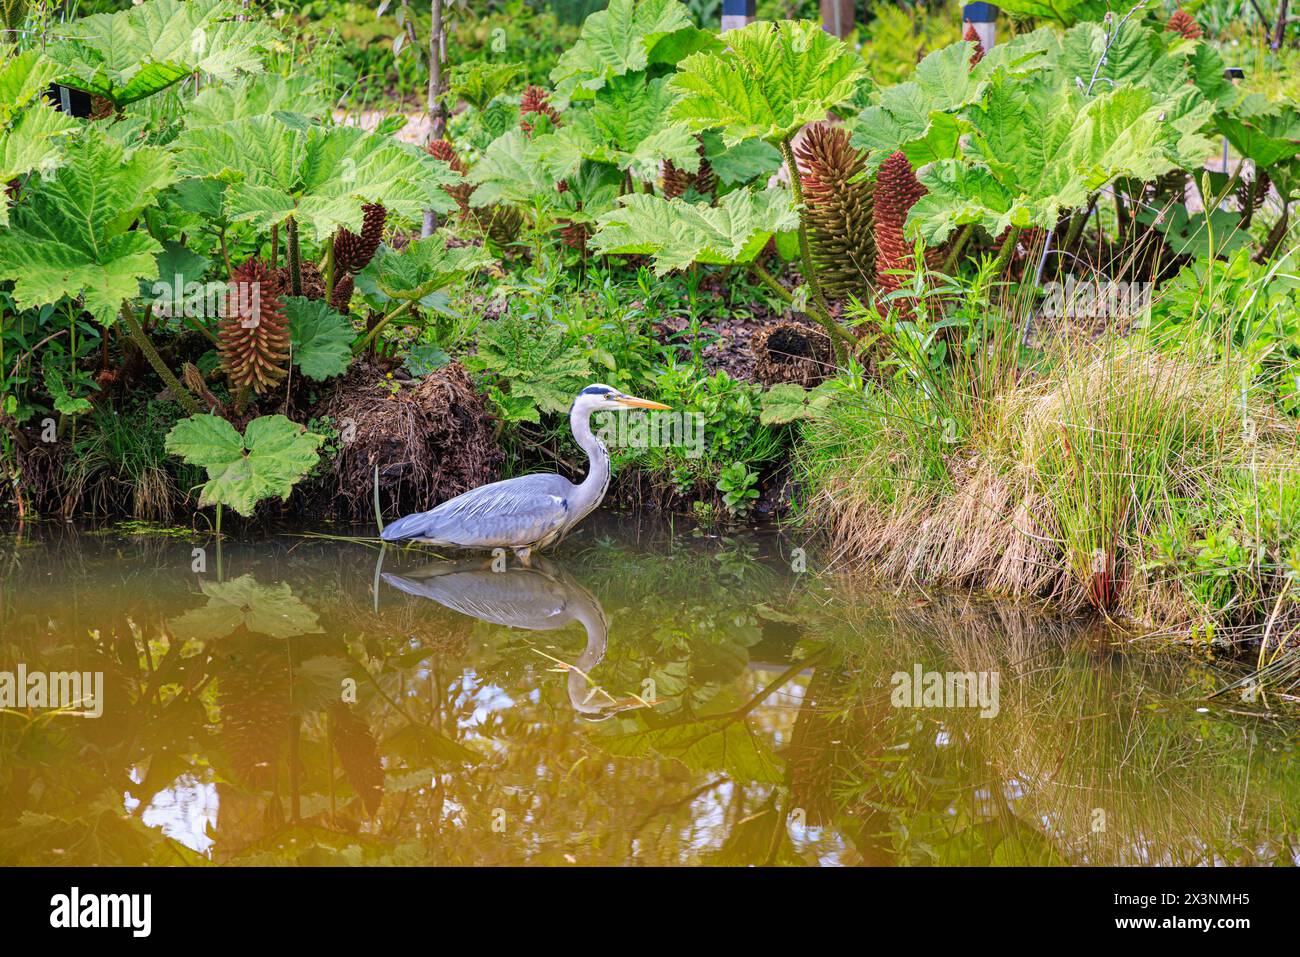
(266, 462)
(789, 401)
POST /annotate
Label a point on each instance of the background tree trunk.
(837, 17)
(437, 111)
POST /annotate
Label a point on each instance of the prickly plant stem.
(187, 401)
(369, 337)
(225, 253)
(1275, 236)
(805, 251)
(770, 282)
(950, 262)
(295, 262)
(1004, 253)
(329, 269)
(1076, 225)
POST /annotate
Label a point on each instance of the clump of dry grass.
(1060, 485)
(118, 463)
(431, 440)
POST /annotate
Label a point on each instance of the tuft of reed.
(119, 464)
(1151, 480)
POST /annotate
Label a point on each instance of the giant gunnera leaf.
(31, 131)
(771, 80)
(256, 96)
(516, 169)
(1035, 149)
(617, 40)
(677, 233)
(921, 117)
(134, 53)
(265, 462)
(320, 175)
(422, 268)
(627, 126)
(71, 234)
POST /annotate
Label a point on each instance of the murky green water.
(643, 698)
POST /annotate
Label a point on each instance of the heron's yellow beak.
(632, 402)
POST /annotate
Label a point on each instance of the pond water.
(646, 695)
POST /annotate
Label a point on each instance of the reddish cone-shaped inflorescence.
(897, 190)
(443, 150)
(1182, 23)
(254, 343)
(535, 100)
(574, 235)
(676, 181)
(352, 252)
(101, 108)
(461, 192)
(706, 181)
(310, 280)
(973, 36)
(342, 294)
(839, 210)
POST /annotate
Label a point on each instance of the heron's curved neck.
(592, 489)
(581, 696)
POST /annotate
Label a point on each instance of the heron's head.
(600, 396)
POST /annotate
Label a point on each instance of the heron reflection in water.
(539, 597)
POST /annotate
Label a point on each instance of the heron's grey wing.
(518, 511)
(517, 598)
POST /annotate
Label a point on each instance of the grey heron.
(532, 511)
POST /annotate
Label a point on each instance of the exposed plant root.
(786, 352)
(431, 440)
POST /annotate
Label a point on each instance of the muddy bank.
(424, 440)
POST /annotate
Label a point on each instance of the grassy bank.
(1152, 481)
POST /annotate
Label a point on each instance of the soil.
(431, 438)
